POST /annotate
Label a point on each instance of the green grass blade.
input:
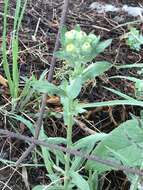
(15, 71)
(16, 17)
(4, 49)
(17, 21)
(21, 15)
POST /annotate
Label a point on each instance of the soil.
(35, 56)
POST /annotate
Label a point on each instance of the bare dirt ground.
(35, 56)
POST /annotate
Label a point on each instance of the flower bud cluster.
(80, 45)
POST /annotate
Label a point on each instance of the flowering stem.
(69, 144)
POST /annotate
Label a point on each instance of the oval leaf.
(74, 88)
(47, 87)
(126, 141)
(95, 70)
(102, 45)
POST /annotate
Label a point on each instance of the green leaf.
(118, 156)
(89, 140)
(78, 108)
(43, 75)
(5, 63)
(15, 71)
(79, 181)
(86, 145)
(136, 65)
(95, 70)
(27, 122)
(21, 15)
(74, 106)
(62, 35)
(93, 180)
(46, 187)
(74, 88)
(77, 28)
(47, 87)
(133, 79)
(30, 125)
(135, 180)
(126, 141)
(45, 151)
(120, 94)
(27, 87)
(135, 39)
(46, 155)
(112, 103)
(102, 45)
(55, 140)
(17, 12)
(40, 187)
(51, 140)
(60, 54)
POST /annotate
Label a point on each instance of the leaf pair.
(72, 89)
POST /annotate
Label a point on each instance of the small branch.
(110, 163)
(50, 78)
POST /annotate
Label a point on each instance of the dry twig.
(110, 163)
(50, 77)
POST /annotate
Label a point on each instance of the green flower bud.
(70, 48)
(86, 47)
(70, 35)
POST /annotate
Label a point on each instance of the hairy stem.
(69, 144)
